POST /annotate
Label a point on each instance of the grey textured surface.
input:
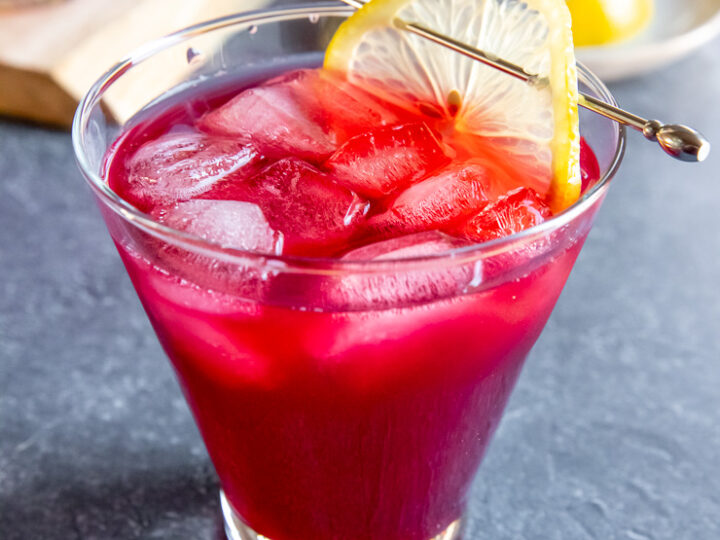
(612, 433)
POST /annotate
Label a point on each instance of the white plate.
(678, 27)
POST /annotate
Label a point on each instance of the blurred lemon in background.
(599, 22)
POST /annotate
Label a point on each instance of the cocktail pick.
(679, 141)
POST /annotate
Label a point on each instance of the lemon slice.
(598, 22)
(532, 129)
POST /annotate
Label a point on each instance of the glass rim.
(189, 241)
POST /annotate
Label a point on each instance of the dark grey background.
(612, 433)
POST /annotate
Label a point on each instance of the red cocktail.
(308, 256)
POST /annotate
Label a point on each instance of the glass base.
(235, 529)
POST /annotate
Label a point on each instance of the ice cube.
(179, 166)
(443, 200)
(383, 160)
(273, 118)
(516, 211)
(306, 114)
(343, 108)
(315, 215)
(232, 224)
(405, 247)
(402, 284)
(349, 109)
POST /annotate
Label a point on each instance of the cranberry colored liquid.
(343, 406)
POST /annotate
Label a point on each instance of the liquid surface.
(311, 165)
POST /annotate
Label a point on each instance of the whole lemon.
(599, 22)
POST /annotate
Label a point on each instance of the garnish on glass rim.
(679, 141)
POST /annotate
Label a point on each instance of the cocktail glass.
(337, 399)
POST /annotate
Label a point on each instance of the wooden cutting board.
(50, 55)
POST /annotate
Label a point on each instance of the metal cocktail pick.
(681, 142)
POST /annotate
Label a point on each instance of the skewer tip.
(681, 142)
